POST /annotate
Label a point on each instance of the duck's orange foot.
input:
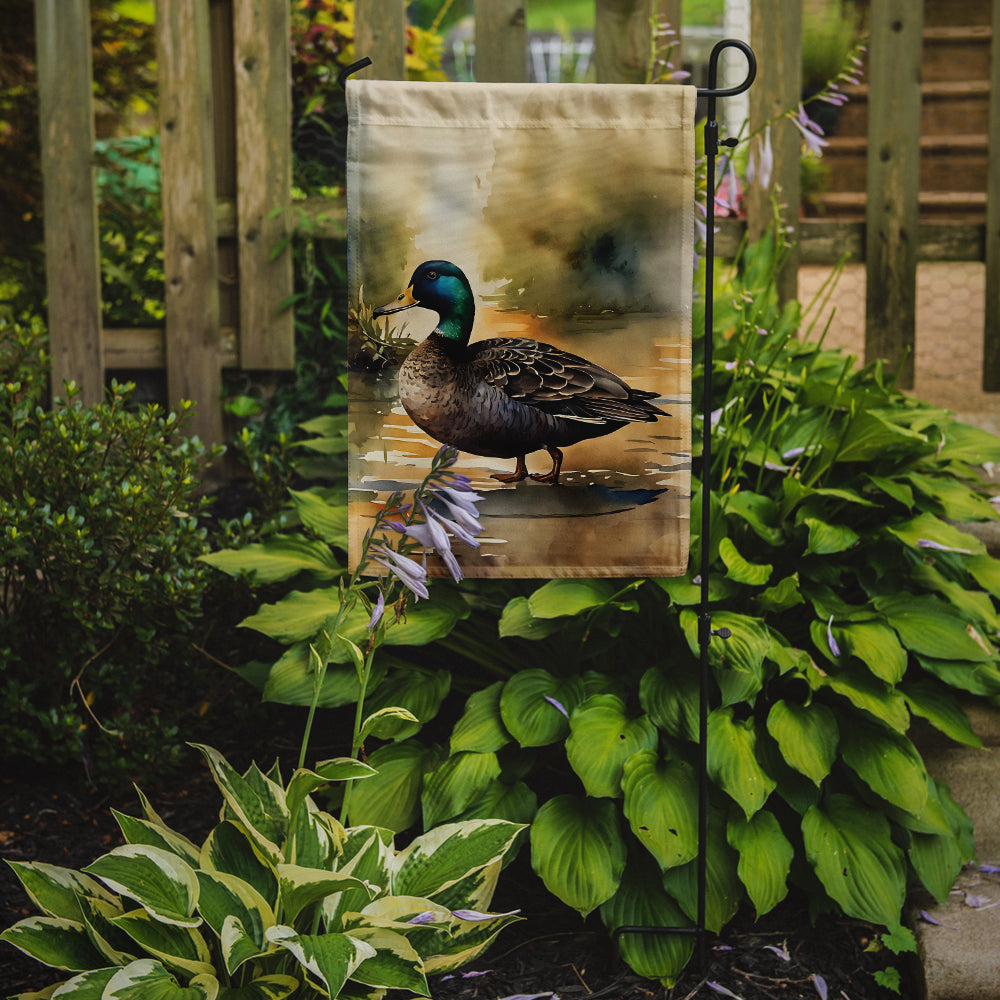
(552, 476)
(519, 473)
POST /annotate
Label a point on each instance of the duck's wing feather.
(558, 382)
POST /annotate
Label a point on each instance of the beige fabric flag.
(559, 214)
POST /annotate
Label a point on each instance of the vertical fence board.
(261, 57)
(72, 257)
(776, 34)
(991, 332)
(380, 34)
(501, 41)
(893, 183)
(190, 254)
(621, 40)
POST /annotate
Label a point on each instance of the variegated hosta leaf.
(256, 801)
(642, 902)
(850, 847)
(86, 986)
(226, 897)
(395, 964)
(456, 784)
(602, 737)
(54, 941)
(158, 880)
(238, 944)
(116, 946)
(329, 959)
(661, 799)
(475, 891)
(723, 889)
(315, 838)
(732, 760)
(273, 987)
(765, 858)
(441, 857)
(301, 887)
(56, 891)
(367, 853)
(481, 727)
(304, 782)
(468, 939)
(578, 851)
(230, 849)
(535, 706)
(147, 979)
(807, 736)
(141, 831)
(177, 947)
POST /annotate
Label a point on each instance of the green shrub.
(99, 539)
(280, 899)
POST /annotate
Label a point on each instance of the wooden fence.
(226, 160)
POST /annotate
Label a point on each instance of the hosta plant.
(279, 900)
(855, 602)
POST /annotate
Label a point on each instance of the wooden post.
(261, 57)
(893, 182)
(991, 333)
(501, 41)
(776, 34)
(622, 40)
(190, 253)
(72, 256)
(380, 34)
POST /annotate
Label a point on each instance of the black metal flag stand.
(705, 631)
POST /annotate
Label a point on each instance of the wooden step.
(957, 206)
(947, 162)
(956, 53)
(945, 105)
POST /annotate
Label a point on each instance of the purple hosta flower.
(727, 197)
(812, 134)
(831, 642)
(820, 984)
(432, 535)
(377, 611)
(760, 165)
(927, 918)
(461, 505)
(719, 988)
(558, 705)
(989, 869)
(475, 915)
(780, 952)
(927, 543)
(427, 917)
(465, 975)
(411, 574)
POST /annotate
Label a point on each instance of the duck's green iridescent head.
(441, 286)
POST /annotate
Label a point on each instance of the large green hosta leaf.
(807, 736)
(765, 858)
(932, 628)
(456, 784)
(661, 805)
(738, 661)
(578, 851)
(641, 901)
(850, 848)
(391, 798)
(741, 570)
(147, 979)
(876, 646)
(559, 598)
(602, 738)
(328, 520)
(481, 727)
(732, 760)
(888, 763)
(670, 698)
(416, 689)
(535, 706)
(278, 558)
(723, 889)
(926, 528)
(941, 709)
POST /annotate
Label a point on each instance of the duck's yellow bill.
(402, 301)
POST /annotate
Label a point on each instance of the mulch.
(551, 952)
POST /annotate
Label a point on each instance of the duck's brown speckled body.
(504, 397)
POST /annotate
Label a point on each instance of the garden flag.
(520, 263)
